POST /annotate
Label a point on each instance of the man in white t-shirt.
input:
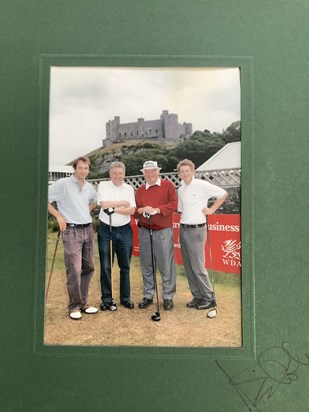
(117, 202)
(193, 198)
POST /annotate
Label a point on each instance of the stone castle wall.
(167, 128)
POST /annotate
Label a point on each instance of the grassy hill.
(133, 153)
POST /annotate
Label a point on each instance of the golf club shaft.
(111, 253)
(153, 265)
(210, 258)
(52, 265)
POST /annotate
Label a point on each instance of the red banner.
(223, 238)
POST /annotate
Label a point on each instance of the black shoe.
(108, 306)
(193, 303)
(203, 304)
(144, 303)
(168, 304)
(128, 304)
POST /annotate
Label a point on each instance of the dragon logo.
(231, 249)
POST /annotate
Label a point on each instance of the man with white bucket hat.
(156, 201)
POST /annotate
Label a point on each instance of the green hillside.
(133, 153)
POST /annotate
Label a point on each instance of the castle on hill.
(165, 129)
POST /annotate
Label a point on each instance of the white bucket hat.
(150, 164)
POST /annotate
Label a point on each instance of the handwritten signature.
(274, 367)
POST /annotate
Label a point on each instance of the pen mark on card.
(274, 367)
(271, 171)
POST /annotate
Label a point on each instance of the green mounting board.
(268, 41)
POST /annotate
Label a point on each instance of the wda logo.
(231, 249)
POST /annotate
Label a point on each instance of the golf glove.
(109, 211)
(147, 215)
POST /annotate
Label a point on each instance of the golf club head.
(212, 313)
(156, 317)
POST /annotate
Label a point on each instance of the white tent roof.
(226, 158)
(61, 169)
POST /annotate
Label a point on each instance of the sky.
(84, 99)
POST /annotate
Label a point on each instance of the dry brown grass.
(181, 327)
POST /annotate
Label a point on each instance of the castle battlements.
(167, 129)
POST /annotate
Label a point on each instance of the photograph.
(144, 207)
(154, 206)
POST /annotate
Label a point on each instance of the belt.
(114, 227)
(192, 226)
(78, 226)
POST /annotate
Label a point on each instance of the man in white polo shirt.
(193, 198)
(117, 202)
(75, 199)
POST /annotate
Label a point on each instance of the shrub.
(55, 226)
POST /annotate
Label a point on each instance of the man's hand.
(125, 203)
(62, 223)
(148, 210)
(109, 211)
(207, 211)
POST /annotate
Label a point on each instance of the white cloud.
(82, 100)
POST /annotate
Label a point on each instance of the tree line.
(200, 147)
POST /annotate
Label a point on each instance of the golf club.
(113, 306)
(52, 265)
(212, 313)
(156, 316)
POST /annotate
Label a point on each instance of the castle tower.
(111, 128)
(170, 125)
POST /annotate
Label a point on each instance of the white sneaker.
(91, 310)
(75, 314)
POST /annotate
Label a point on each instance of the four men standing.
(153, 206)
